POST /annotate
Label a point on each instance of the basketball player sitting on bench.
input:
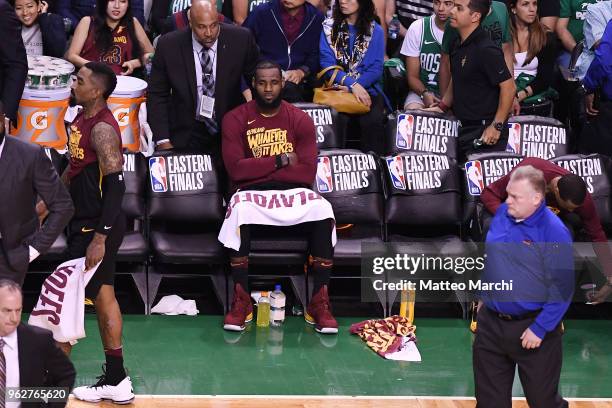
(270, 154)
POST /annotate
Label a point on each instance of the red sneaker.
(318, 313)
(241, 311)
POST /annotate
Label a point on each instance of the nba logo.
(475, 180)
(324, 176)
(396, 171)
(403, 134)
(157, 170)
(514, 139)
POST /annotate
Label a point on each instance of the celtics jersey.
(430, 56)
(255, 3)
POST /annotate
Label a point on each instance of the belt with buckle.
(508, 317)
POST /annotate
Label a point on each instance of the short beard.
(72, 102)
(263, 104)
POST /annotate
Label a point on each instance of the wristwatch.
(499, 126)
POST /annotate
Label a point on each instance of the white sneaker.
(121, 393)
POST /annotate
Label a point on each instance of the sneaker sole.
(323, 330)
(122, 402)
(233, 328)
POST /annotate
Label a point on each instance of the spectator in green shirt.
(569, 26)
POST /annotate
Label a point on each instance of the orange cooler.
(125, 102)
(40, 118)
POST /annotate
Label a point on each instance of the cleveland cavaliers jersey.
(85, 174)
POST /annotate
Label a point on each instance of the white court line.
(339, 397)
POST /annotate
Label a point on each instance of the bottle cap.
(277, 288)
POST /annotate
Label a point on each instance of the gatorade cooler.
(125, 102)
(40, 118)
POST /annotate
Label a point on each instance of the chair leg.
(219, 281)
(140, 279)
(153, 281)
(299, 286)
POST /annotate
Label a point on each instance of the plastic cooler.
(125, 103)
(40, 118)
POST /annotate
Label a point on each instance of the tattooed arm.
(107, 144)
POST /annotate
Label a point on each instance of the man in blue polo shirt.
(528, 246)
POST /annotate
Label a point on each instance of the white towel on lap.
(273, 207)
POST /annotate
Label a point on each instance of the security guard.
(527, 286)
(482, 88)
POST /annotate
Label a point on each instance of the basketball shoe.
(241, 311)
(318, 313)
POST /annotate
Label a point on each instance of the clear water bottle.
(263, 310)
(277, 306)
(394, 28)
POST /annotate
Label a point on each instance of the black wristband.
(279, 161)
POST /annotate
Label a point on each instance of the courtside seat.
(423, 211)
(325, 119)
(186, 248)
(134, 247)
(351, 181)
(596, 170)
(479, 171)
(185, 213)
(422, 131)
(537, 136)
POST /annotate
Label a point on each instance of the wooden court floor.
(318, 402)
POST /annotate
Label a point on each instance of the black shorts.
(81, 232)
(549, 8)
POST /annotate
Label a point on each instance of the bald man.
(198, 75)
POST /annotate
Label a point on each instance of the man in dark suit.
(198, 75)
(25, 173)
(13, 61)
(29, 356)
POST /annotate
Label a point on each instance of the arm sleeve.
(495, 194)
(494, 65)
(546, 65)
(49, 187)
(306, 149)
(238, 166)
(54, 34)
(559, 264)
(158, 95)
(13, 60)
(373, 61)
(411, 46)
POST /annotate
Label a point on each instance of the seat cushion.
(133, 248)
(187, 248)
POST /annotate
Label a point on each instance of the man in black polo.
(481, 89)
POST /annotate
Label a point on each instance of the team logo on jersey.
(514, 139)
(157, 171)
(324, 176)
(403, 135)
(475, 179)
(396, 171)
